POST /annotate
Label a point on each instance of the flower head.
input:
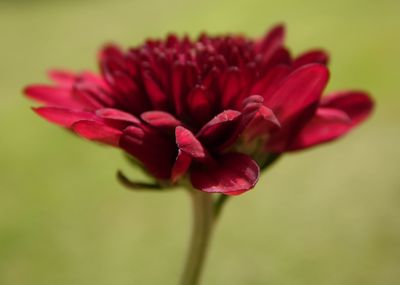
(213, 109)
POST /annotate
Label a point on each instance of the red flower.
(209, 108)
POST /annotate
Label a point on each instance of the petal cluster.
(211, 109)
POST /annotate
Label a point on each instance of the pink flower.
(214, 109)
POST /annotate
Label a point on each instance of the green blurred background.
(328, 216)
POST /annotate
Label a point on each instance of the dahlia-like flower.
(215, 109)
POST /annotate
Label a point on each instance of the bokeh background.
(327, 216)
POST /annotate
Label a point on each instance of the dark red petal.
(126, 92)
(189, 144)
(63, 117)
(181, 166)
(52, 96)
(110, 51)
(92, 95)
(118, 115)
(93, 79)
(154, 150)
(356, 104)
(113, 62)
(313, 56)
(177, 87)
(199, 105)
(232, 174)
(121, 82)
(231, 86)
(157, 96)
(280, 56)
(299, 91)
(272, 41)
(97, 131)
(327, 124)
(258, 120)
(255, 119)
(268, 84)
(160, 119)
(220, 129)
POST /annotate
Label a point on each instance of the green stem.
(203, 222)
(219, 203)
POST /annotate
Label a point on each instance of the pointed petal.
(154, 150)
(110, 51)
(97, 131)
(93, 79)
(327, 124)
(313, 56)
(356, 104)
(299, 91)
(52, 96)
(160, 119)
(91, 95)
(62, 77)
(63, 117)
(117, 115)
(232, 174)
(272, 41)
(280, 56)
(189, 144)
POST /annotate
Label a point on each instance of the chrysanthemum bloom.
(214, 109)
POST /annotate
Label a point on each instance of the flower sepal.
(136, 185)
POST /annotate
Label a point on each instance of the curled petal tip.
(233, 174)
